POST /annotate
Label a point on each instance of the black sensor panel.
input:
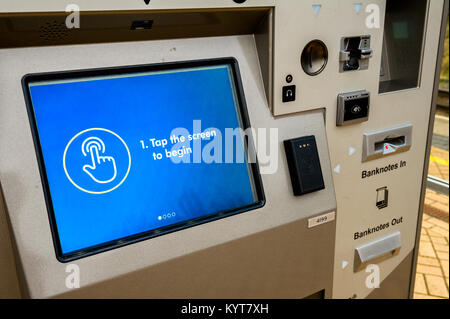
(304, 165)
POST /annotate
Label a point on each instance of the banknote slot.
(395, 141)
(387, 141)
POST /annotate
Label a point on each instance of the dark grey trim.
(428, 148)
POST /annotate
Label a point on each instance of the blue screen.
(131, 153)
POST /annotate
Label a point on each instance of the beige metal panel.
(95, 5)
(295, 26)
(396, 284)
(46, 29)
(45, 276)
(9, 284)
(356, 196)
(277, 263)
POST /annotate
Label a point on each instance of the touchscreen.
(137, 152)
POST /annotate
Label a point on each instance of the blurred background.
(433, 262)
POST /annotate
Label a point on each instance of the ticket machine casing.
(271, 252)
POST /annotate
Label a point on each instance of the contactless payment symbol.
(96, 161)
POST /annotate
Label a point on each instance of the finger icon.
(93, 150)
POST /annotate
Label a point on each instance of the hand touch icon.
(102, 169)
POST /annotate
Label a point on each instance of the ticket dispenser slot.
(385, 142)
(376, 251)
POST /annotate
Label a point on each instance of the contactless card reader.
(304, 165)
(352, 107)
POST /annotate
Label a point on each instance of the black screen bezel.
(108, 71)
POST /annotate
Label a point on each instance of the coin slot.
(314, 57)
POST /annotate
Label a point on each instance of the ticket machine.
(215, 149)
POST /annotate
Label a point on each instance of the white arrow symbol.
(344, 264)
(316, 8)
(357, 7)
(337, 169)
(351, 150)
